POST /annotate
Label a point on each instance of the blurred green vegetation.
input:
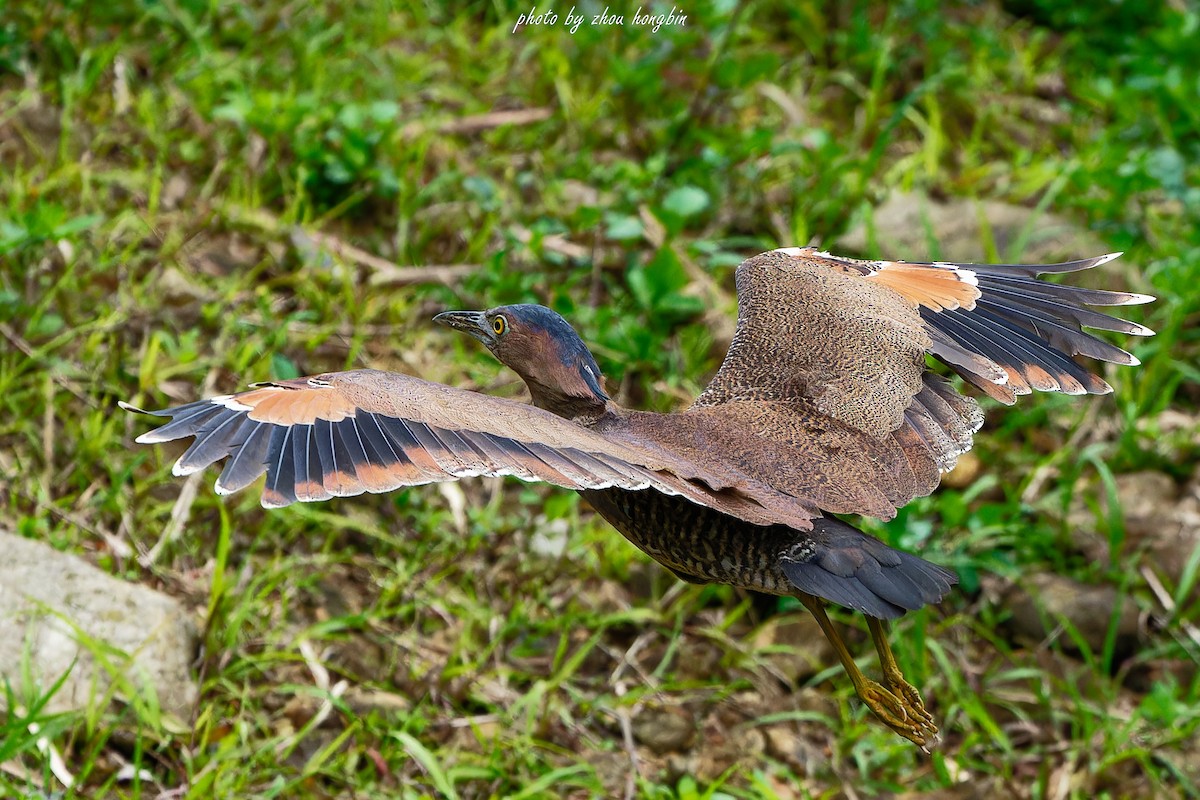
(181, 180)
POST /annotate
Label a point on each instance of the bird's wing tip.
(179, 471)
(1135, 299)
(1131, 298)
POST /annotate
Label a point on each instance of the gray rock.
(1166, 526)
(1148, 501)
(1039, 604)
(909, 225)
(664, 728)
(1162, 525)
(56, 610)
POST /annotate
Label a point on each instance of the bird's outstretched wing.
(826, 371)
(849, 336)
(1005, 331)
(346, 433)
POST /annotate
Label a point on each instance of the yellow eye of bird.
(499, 325)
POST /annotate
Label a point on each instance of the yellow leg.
(893, 679)
(902, 714)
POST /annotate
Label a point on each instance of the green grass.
(166, 169)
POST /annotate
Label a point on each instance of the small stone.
(53, 603)
(1039, 602)
(1147, 501)
(745, 705)
(576, 195)
(1161, 522)
(702, 662)
(783, 744)
(364, 701)
(1172, 420)
(664, 729)
(1164, 522)
(815, 701)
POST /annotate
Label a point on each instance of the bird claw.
(903, 712)
(908, 694)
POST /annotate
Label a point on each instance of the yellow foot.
(905, 714)
(911, 698)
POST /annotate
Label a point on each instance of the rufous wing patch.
(289, 405)
(934, 286)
